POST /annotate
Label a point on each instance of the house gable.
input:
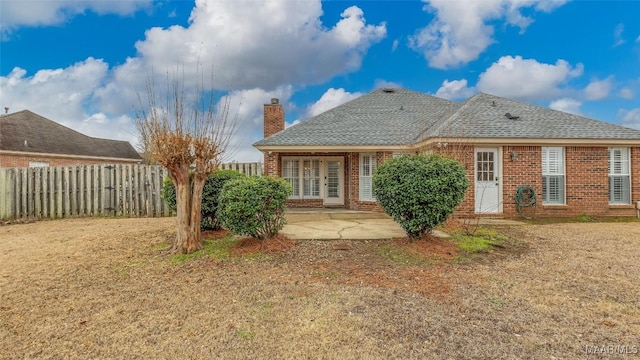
(25, 134)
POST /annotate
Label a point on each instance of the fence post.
(7, 184)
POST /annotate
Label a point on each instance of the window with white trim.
(553, 176)
(311, 179)
(291, 173)
(304, 176)
(367, 167)
(619, 176)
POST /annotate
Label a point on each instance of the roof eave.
(330, 148)
(529, 141)
(453, 140)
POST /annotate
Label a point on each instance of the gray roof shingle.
(26, 131)
(404, 117)
(483, 116)
(382, 117)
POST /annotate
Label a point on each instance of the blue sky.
(79, 62)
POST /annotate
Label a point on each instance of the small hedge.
(420, 191)
(210, 193)
(254, 206)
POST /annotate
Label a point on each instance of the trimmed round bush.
(420, 191)
(210, 193)
(254, 206)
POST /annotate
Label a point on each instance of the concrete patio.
(334, 224)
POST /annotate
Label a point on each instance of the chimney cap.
(275, 101)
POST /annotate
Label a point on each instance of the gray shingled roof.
(403, 117)
(483, 116)
(378, 118)
(29, 132)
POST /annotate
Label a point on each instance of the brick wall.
(464, 153)
(354, 201)
(525, 169)
(635, 174)
(11, 160)
(273, 118)
(586, 177)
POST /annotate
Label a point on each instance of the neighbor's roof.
(404, 117)
(383, 117)
(25, 131)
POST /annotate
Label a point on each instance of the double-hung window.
(619, 176)
(304, 176)
(291, 173)
(367, 167)
(553, 176)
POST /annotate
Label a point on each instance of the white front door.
(487, 181)
(333, 181)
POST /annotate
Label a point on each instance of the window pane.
(619, 190)
(553, 189)
(290, 172)
(311, 178)
(552, 160)
(367, 167)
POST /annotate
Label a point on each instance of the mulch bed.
(251, 246)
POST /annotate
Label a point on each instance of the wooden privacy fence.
(249, 169)
(90, 190)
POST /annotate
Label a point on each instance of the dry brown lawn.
(106, 289)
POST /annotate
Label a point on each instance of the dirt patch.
(106, 288)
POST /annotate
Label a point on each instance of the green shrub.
(420, 191)
(211, 196)
(210, 193)
(254, 206)
(168, 194)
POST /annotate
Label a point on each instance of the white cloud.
(66, 91)
(567, 105)
(381, 83)
(330, 99)
(617, 35)
(630, 118)
(519, 78)
(262, 44)
(394, 46)
(455, 89)
(258, 49)
(17, 14)
(247, 106)
(626, 93)
(460, 30)
(599, 89)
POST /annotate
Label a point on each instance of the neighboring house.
(576, 165)
(30, 140)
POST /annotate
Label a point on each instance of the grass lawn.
(106, 288)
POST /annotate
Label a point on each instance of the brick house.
(575, 165)
(29, 140)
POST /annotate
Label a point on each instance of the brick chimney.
(273, 117)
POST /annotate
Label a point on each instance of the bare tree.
(186, 132)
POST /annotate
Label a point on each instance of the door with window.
(487, 181)
(333, 181)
